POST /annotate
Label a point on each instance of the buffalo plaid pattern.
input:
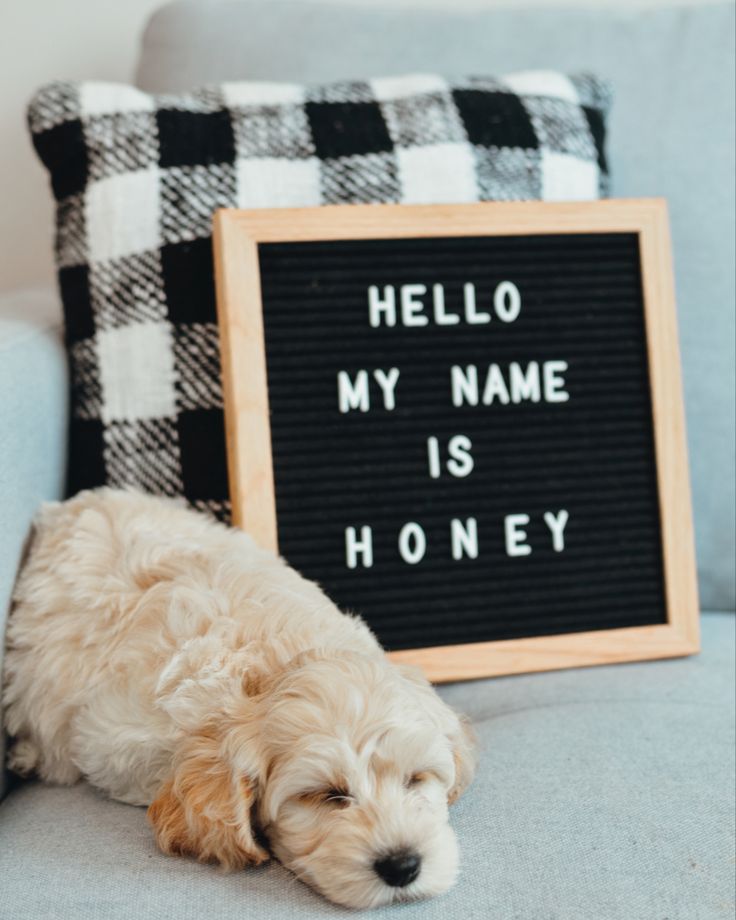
(137, 178)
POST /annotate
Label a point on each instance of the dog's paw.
(23, 757)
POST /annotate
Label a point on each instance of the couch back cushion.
(671, 134)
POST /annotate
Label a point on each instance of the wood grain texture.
(669, 425)
(237, 237)
(384, 221)
(548, 653)
(245, 386)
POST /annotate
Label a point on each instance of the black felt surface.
(593, 455)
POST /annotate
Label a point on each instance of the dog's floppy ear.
(464, 753)
(202, 810)
(455, 727)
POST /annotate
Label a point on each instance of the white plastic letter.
(353, 546)
(353, 395)
(387, 382)
(495, 386)
(464, 538)
(440, 316)
(378, 308)
(524, 384)
(472, 316)
(515, 536)
(507, 301)
(433, 456)
(412, 543)
(557, 523)
(554, 383)
(412, 310)
(462, 462)
(464, 385)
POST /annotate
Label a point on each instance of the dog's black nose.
(398, 869)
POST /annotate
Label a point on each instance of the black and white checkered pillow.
(137, 178)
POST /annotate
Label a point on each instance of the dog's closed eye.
(334, 796)
(418, 778)
(338, 797)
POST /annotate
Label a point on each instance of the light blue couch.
(602, 793)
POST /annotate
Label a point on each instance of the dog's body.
(173, 663)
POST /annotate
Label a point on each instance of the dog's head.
(345, 764)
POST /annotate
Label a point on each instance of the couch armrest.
(33, 425)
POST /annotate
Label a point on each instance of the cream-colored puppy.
(172, 663)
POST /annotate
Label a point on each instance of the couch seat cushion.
(605, 793)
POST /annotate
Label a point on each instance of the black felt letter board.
(589, 455)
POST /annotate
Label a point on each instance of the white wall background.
(42, 40)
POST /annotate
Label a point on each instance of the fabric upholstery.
(605, 793)
(138, 177)
(671, 134)
(33, 415)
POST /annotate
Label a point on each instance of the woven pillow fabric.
(137, 178)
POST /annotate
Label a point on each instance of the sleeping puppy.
(174, 664)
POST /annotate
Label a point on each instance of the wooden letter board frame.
(237, 235)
